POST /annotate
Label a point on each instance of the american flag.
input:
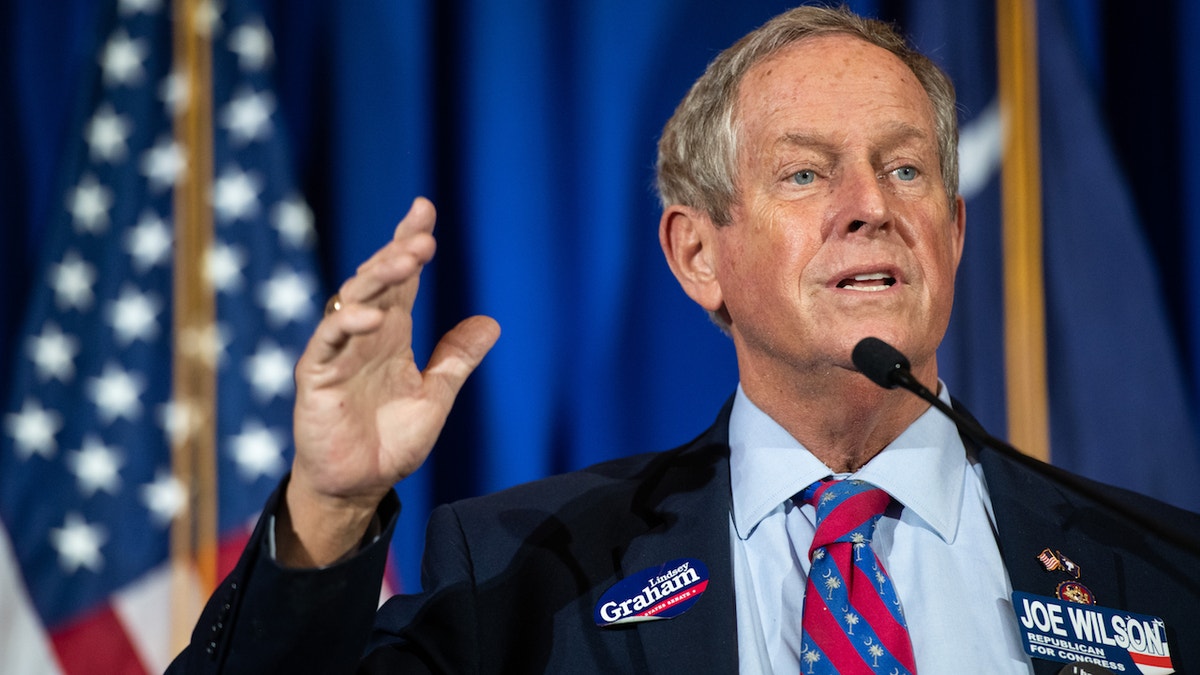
(1049, 560)
(87, 487)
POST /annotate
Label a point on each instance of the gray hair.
(697, 154)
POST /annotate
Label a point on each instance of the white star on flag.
(208, 18)
(270, 371)
(178, 420)
(33, 430)
(122, 59)
(134, 315)
(78, 544)
(89, 204)
(252, 44)
(166, 497)
(131, 7)
(235, 195)
(258, 451)
(164, 164)
(148, 243)
(174, 92)
(223, 267)
(248, 116)
(294, 221)
(206, 343)
(72, 281)
(53, 353)
(96, 466)
(106, 134)
(286, 296)
(116, 393)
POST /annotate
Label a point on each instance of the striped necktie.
(852, 619)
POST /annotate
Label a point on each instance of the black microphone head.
(879, 361)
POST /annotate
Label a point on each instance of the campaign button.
(655, 593)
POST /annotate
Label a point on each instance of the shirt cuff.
(374, 531)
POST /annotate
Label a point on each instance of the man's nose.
(863, 201)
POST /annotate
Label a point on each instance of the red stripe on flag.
(229, 550)
(96, 643)
(1151, 660)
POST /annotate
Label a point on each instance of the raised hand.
(366, 416)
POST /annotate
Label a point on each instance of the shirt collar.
(922, 469)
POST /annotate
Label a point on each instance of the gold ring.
(333, 305)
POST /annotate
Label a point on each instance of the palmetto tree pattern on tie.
(852, 622)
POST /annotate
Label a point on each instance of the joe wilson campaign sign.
(1120, 641)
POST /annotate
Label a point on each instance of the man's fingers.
(398, 262)
(458, 353)
(420, 218)
(335, 331)
(396, 265)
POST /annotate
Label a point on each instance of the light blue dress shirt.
(937, 542)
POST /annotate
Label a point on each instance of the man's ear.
(960, 228)
(689, 242)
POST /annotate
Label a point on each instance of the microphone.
(884, 365)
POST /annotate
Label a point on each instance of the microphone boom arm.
(884, 365)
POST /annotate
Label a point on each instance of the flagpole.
(193, 442)
(1024, 288)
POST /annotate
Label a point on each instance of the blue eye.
(906, 173)
(804, 177)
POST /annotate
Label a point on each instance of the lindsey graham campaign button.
(661, 592)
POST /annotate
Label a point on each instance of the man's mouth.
(869, 283)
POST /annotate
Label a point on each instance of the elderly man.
(823, 524)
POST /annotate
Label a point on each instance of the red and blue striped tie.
(852, 618)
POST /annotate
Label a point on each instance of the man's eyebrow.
(900, 132)
(805, 140)
(894, 133)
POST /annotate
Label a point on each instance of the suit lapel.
(1032, 514)
(688, 511)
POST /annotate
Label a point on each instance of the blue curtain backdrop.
(532, 126)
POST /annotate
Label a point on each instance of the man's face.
(842, 227)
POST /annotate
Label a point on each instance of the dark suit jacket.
(512, 579)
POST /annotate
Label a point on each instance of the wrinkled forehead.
(830, 81)
(832, 62)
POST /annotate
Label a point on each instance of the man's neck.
(839, 416)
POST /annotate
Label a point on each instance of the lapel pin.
(1070, 590)
(1068, 565)
(1049, 560)
(1073, 591)
(1055, 560)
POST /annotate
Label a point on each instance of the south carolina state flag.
(1118, 400)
